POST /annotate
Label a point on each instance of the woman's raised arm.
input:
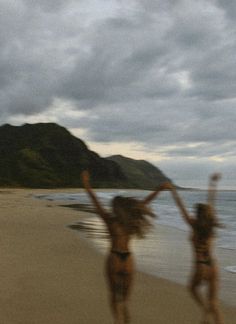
(99, 208)
(214, 178)
(188, 219)
(212, 189)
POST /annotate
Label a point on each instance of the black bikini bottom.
(123, 255)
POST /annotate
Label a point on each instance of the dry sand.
(49, 274)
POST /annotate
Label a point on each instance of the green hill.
(140, 173)
(46, 155)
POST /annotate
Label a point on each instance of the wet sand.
(49, 274)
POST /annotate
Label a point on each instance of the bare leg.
(117, 300)
(120, 298)
(119, 294)
(128, 278)
(194, 285)
(116, 309)
(126, 314)
(213, 301)
(120, 274)
(197, 296)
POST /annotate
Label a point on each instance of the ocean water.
(166, 251)
(167, 211)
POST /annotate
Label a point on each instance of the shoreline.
(164, 261)
(50, 274)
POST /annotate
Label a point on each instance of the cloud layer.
(160, 74)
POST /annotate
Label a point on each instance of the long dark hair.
(131, 213)
(205, 222)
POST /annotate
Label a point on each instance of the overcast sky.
(149, 79)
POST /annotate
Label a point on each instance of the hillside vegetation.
(46, 155)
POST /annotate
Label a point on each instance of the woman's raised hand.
(166, 186)
(216, 176)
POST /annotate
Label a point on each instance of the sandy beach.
(49, 274)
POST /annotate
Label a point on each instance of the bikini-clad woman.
(204, 267)
(126, 220)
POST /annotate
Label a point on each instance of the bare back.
(119, 236)
(202, 246)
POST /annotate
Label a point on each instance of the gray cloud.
(119, 58)
(151, 72)
(229, 7)
(155, 123)
(195, 173)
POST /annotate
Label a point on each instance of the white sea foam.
(231, 269)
